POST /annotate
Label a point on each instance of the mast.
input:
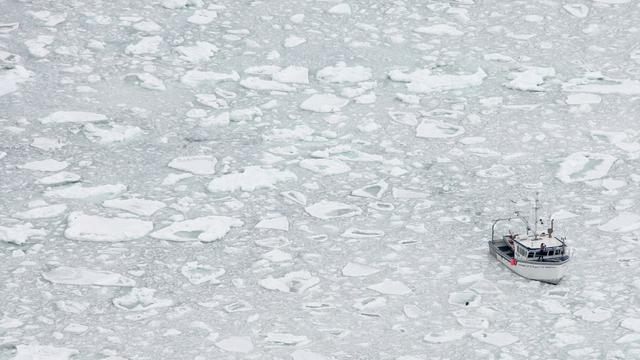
(535, 220)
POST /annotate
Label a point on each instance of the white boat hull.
(541, 271)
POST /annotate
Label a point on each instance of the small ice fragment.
(205, 229)
(136, 206)
(325, 167)
(77, 191)
(331, 209)
(293, 282)
(438, 130)
(439, 30)
(238, 344)
(292, 74)
(390, 287)
(583, 166)
(141, 299)
(293, 41)
(340, 9)
(276, 223)
(444, 336)
(44, 352)
(195, 164)
(323, 103)
(341, 73)
(20, 233)
(45, 165)
(372, 191)
(499, 339)
(61, 178)
(146, 45)
(201, 273)
(357, 270)
(42, 212)
(624, 222)
(250, 179)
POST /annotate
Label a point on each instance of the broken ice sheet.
(198, 273)
(325, 209)
(83, 227)
(205, 229)
(293, 282)
(141, 299)
(82, 276)
(583, 166)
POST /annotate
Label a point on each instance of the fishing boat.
(534, 255)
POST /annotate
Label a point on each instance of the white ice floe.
(295, 196)
(624, 222)
(138, 206)
(600, 84)
(195, 164)
(205, 229)
(293, 41)
(341, 73)
(84, 227)
(201, 51)
(372, 191)
(583, 98)
(276, 223)
(146, 81)
(583, 166)
(256, 83)
(284, 339)
(357, 270)
(37, 47)
(340, 9)
(293, 282)
(181, 4)
(576, 9)
(632, 324)
(277, 255)
(45, 165)
(325, 209)
(444, 336)
(148, 26)
(325, 167)
(146, 45)
(594, 314)
(237, 344)
(307, 355)
(618, 138)
(141, 299)
(324, 103)
(77, 191)
(390, 287)
(201, 273)
(405, 194)
(438, 129)
(196, 78)
(10, 79)
(61, 178)
(405, 118)
(202, 17)
(47, 144)
(212, 101)
(59, 117)
(499, 339)
(355, 233)
(496, 171)
(292, 74)
(81, 276)
(20, 233)
(530, 78)
(43, 352)
(42, 212)
(422, 81)
(248, 114)
(464, 298)
(111, 133)
(439, 30)
(250, 179)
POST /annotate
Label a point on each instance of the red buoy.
(514, 261)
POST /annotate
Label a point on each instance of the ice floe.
(583, 166)
(198, 273)
(324, 103)
(146, 81)
(20, 233)
(600, 84)
(391, 287)
(355, 233)
(342, 73)
(44, 352)
(293, 282)
(357, 270)
(10, 79)
(325, 167)
(138, 206)
(202, 17)
(77, 191)
(499, 339)
(303, 354)
(59, 117)
(146, 45)
(438, 129)
(326, 209)
(250, 179)
(83, 227)
(293, 41)
(576, 9)
(205, 229)
(623, 222)
(237, 344)
(196, 78)
(45, 165)
(42, 212)
(276, 223)
(372, 191)
(439, 30)
(423, 81)
(111, 133)
(141, 299)
(340, 9)
(61, 178)
(81, 276)
(444, 336)
(195, 164)
(594, 314)
(530, 78)
(256, 83)
(496, 171)
(405, 118)
(292, 74)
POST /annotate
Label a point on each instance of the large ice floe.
(326, 209)
(343, 73)
(423, 81)
(59, 117)
(600, 84)
(250, 178)
(195, 164)
(205, 229)
(83, 227)
(81, 276)
(583, 166)
(20, 233)
(44, 352)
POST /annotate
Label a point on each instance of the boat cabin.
(538, 248)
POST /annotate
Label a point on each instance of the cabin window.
(530, 254)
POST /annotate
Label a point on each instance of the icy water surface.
(310, 180)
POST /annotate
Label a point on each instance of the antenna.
(535, 212)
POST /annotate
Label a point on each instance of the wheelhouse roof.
(534, 244)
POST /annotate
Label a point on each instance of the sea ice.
(307, 355)
(499, 339)
(578, 10)
(632, 324)
(331, 209)
(599, 84)
(340, 9)
(422, 81)
(205, 229)
(20, 233)
(45, 165)
(343, 73)
(293, 282)
(201, 51)
(195, 78)
(80, 276)
(146, 45)
(292, 74)
(112, 133)
(43, 352)
(496, 171)
(390, 287)
(439, 30)
(593, 314)
(146, 81)
(250, 179)
(59, 117)
(77, 191)
(141, 299)
(201, 273)
(438, 129)
(256, 83)
(276, 223)
(238, 344)
(325, 167)
(202, 17)
(583, 166)
(136, 206)
(42, 212)
(444, 336)
(181, 4)
(293, 41)
(530, 78)
(10, 79)
(372, 191)
(405, 118)
(624, 222)
(356, 270)
(61, 178)
(355, 233)
(195, 164)
(84, 227)
(324, 103)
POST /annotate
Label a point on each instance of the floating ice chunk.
(295, 196)
(438, 129)
(624, 222)
(499, 339)
(111, 134)
(421, 81)
(444, 336)
(77, 191)
(47, 144)
(84, 227)
(293, 282)
(370, 303)
(473, 322)
(628, 338)
(599, 84)
(578, 10)
(72, 307)
(146, 45)
(20, 233)
(465, 298)
(372, 191)
(325, 167)
(583, 98)
(307, 355)
(205, 229)
(141, 299)
(9, 323)
(202, 17)
(212, 101)
(593, 314)
(530, 78)
(72, 117)
(331, 209)
(563, 214)
(404, 118)
(355, 233)
(408, 99)
(136, 206)
(201, 51)
(45, 165)
(250, 179)
(273, 242)
(357, 270)
(201, 273)
(390, 287)
(439, 29)
(340, 9)
(284, 339)
(10, 79)
(297, 18)
(256, 83)
(612, 2)
(37, 46)
(343, 73)
(293, 41)
(43, 352)
(413, 312)
(324, 103)
(619, 139)
(632, 324)
(238, 344)
(42, 212)
(552, 306)
(8, 27)
(238, 306)
(146, 81)
(292, 74)
(276, 223)
(147, 26)
(262, 69)
(248, 114)
(61, 178)
(564, 339)
(583, 166)
(80, 276)
(195, 78)
(196, 164)
(400, 193)
(181, 4)
(277, 255)
(496, 171)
